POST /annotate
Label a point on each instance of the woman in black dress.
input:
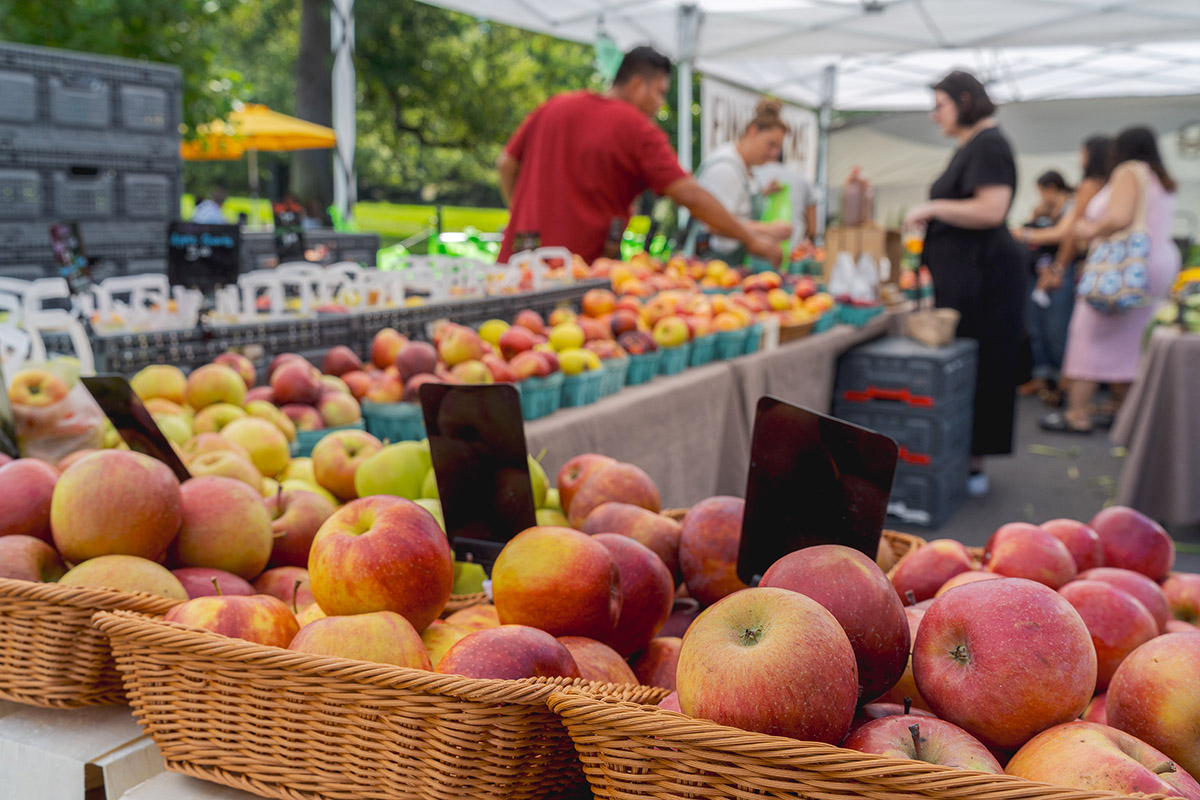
(977, 267)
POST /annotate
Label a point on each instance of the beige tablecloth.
(691, 432)
(1159, 426)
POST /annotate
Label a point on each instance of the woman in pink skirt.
(1105, 348)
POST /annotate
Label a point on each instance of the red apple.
(289, 584)
(438, 638)
(418, 358)
(203, 443)
(509, 652)
(296, 516)
(501, 372)
(540, 566)
(598, 302)
(472, 372)
(1004, 660)
(383, 637)
(1179, 626)
(26, 489)
(659, 533)
(708, 547)
(336, 457)
(1134, 541)
(1118, 623)
(771, 661)
(304, 417)
(260, 393)
(126, 574)
(28, 558)
(1021, 550)
(530, 320)
(647, 593)
(1096, 758)
(549, 359)
(923, 738)
(64, 462)
(382, 553)
(616, 482)
(412, 390)
(879, 710)
(970, 576)
(597, 661)
(575, 472)
(212, 384)
(658, 663)
(281, 359)
(115, 502)
(854, 589)
(340, 360)
(926, 569)
(1155, 695)
(623, 321)
(1083, 543)
(671, 702)
(385, 346)
(258, 618)
(1095, 710)
(1182, 590)
(458, 344)
(905, 689)
(226, 464)
(358, 382)
(516, 339)
(475, 618)
(297, 381)
(1144, 590)
(528, 365)
(241, 365)
(225, 526)
(198, 582)
(594, 329)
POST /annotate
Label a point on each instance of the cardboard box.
(871, 238)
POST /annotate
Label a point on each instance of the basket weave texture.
(631, 751)
(289, 725)
(50, 655)
(458, 602)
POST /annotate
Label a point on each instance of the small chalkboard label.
(203, 256)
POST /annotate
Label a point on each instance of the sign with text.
(203, 256)
(726, 110)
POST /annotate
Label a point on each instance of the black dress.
(981, 274)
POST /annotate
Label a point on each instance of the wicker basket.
(50, 655)
(796, 330)
(631, 751)
(290, 725)
(460, 601)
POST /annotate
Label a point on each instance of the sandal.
(1052, 397)
(1058, 423)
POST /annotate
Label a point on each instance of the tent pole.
(825, 115)
(689, 31)
(344, 124)
(252, 165)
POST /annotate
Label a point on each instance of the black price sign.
(203, 256)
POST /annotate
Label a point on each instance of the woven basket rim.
(208, 645)
(87, 597)
(473, 596)
(622, 714)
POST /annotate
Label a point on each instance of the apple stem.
(216, 586)
(915, 730)
(1164, 768)
(907, 706)
(910, 597)
(295, 590)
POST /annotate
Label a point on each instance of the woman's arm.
(1122, 205)
(1069, 246)
(987, 208)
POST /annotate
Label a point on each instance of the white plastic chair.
(38, 320)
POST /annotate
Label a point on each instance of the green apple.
(299, 469)
(212, 418)
(398, 469)
(548, 516)
(429, 486)
(537, 477)
(468, 578)
(175, 427)
(552, 500)
(292, 484)
(433, 507)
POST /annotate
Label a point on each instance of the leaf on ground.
(1047, 450)
(1118, 452)
(1073, 472)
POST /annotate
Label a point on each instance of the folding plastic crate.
(150, 196)
(18, 97)
(22, 194)
(928, 495)
(945, 433)
(81, 100)
(899, 370)
(85, 192)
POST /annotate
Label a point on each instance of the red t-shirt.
(584, 159)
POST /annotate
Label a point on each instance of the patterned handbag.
(1115, 277)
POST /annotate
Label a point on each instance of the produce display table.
(1158, 426)
(691, 432)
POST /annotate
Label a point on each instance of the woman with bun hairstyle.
(725, 173)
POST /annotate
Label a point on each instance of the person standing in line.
(977, 267)
(208, 211)
(573, 169)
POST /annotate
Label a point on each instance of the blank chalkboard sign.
(203, 256)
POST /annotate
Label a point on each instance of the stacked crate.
(87, 139)
(924, 398)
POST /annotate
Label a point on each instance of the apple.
(1118, 623)
(382, 554)
(924, 570)
(1095, 710)
(1182, 590)
(358, 382)
(160, 380)
(226, 464)
(439, 637)
(539, 567)
(398, 469)
(1004, 660)
(1155, 696)
(225, 526)
(260, 393)
(115, 502)
(566, 335)
(459, 343)
(214, 418)
(304, 417)
(594, 330)
(623, 321)
(574, 473)
(61, 466)
(597, 661)
(708, 548)
(516, 339)
(509, 652)
(615, 482)
(970, 576)
(598, 302)
(296, 516)
(266, 444)
(412, 389)
(339, 409)
(263, 410)
(657, 664)
(296, 381)
(491, 331)
(475, 618)
(1083, 543)
(922, 738)
(26, 490)
(289, 584)
(385, 346)
(215, 383)
(198, 582)
(854, 589)
(647, 593)
(671, 331)
(1096, 758)
(1144, 590)
(905, 690)
(501, 372)
(331, 384)
(36, 388)
(126, 574)
(549, 358)
(472, 372)
(880, 710)
(241, 365)
(771, 661)
(259, 618)
(1021, 550)
(339, 360)
(28, 558)
(337, 457)
(418, 358)
(383, 637)
(1134, 541)
(671, 703)
(530, 320)
(528, 365)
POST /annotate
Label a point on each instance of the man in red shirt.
(579, 161)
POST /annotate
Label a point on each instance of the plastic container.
(731, 344)
(615, 370)
(703, 350)
(541, 396)
(858, 316)
(673, 360)
(394, 422)
(826, 320)
(753, 338)
(642, 368)
(581, 389)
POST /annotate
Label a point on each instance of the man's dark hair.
(968, 96)
(644, 61)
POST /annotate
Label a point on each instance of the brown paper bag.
(933, 327)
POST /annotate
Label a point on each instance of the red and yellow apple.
(243, 366)
(160, 380)
(297, 381)
(439, 637)
(1021, 550)
(214, 383)
(296, 516)
(259, 618)
(225, 526)
(36, 388)
(28, 558)
(26, 491)
(509, 652)
(709, 539)
(266, 444)
(199, 582)
(126, 574)
(385, 346)
(597, 661)
(475, 618)
(289, 584)
(923, 738)
(337, 457)
(383, 637)
(226, 464)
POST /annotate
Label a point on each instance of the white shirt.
(725, 176)
(209, 213)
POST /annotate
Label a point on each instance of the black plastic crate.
(928, 495)
(905, 372)
(23, 194)
(942, 434)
